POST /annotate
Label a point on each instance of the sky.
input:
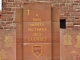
(0, 4)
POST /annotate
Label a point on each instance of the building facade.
(69, 10)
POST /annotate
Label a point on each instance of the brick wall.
(69, 10)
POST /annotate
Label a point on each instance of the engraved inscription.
(36, 29)
(28, 11)
(37, 50)
(8, 41)
(78, 41)
(3, 54)
(67, 39)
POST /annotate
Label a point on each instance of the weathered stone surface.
(7, 45)
(40, 12)
(37, 51)
(70, 44)
(37, 32)
(55, 14)
(19, 33)
(19, 16)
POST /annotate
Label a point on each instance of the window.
(63, 23)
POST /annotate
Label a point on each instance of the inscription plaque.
(37, 32)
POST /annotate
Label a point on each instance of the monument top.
(36, 12)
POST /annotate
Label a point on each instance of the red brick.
(75, 4)
(70, 26)
(75, 14)
(78, 20)
(10, 0)
(9, 19)
(76, 1)
(18, 4)
(25, 0)
(4, 12)
(62, 4)
(3, 20)
(68, 20)
(10, 5)
(76, 17)
(10, 12)
(7, 9)
(77, 26)
(4, 4)
(4, 0)
(64, 17)
(76, 23)
(67, 14)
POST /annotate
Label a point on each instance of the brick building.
(69, 10)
